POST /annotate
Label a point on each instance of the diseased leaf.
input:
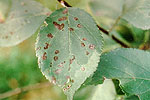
(130, 66)
(23, 19)
(69, 48)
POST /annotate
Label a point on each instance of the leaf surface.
(68, 48)
(22, 20)
(130, 66)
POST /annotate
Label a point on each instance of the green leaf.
(135, 12)
(68, 48)
(105, 91)
(130, 66)
(23, 20)
(109, 44)
(106, 12)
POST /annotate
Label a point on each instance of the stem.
(24, 89)
(64, 3)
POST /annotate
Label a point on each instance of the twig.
(65, 4)
(113, 37)
(24, 89)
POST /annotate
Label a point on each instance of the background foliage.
(127, 70)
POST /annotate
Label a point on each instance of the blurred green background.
(19, 68)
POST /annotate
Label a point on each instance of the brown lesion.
(75, 18)
(57, 51)
(62, 19)
(65, 11)
(82, 44)
(87, 53)
(47, 45)
(44, 57)
(59, 26)
(50, 35)
(84, 39)
(71, 29)
(79, 25)
(55, 58)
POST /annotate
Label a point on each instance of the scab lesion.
(59, 26)
(55, 58)
(56, 51)
(44, 57)
(49, 35)
(47, 45)
(62, 18)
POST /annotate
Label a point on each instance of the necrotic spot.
(65, 11)
(47, 45)
(55, 58)
(82, 44)
(79, 26)
(49, 35)
(71, 29)
(59, 26)
(75, 18)
(84, 39)
(92, 47)
(57, 51)
(44, 56)
(62, 19)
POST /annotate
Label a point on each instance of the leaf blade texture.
(130, 66)
(69, 48)
(23, 19)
